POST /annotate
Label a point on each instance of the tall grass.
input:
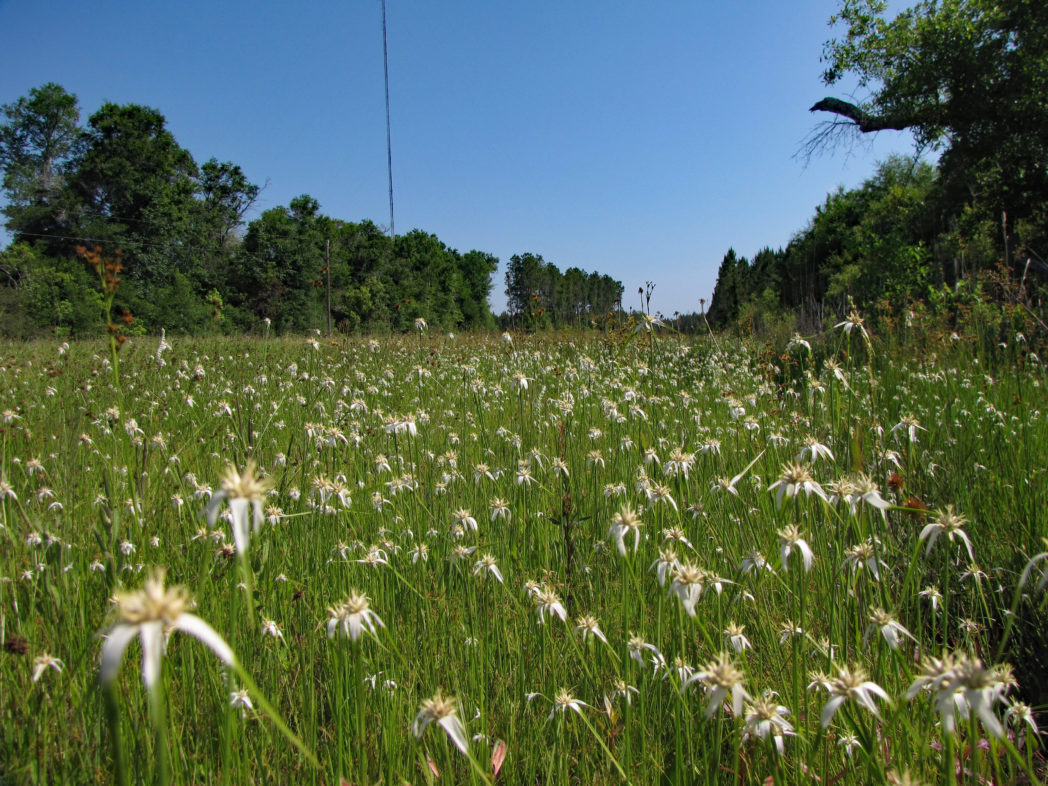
(720, 644)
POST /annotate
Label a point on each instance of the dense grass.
(377, 455)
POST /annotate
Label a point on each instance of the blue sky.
(639, 139)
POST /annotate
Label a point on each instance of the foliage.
(968, 77)
(192, 263)
(539, 295)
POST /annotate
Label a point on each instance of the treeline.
(895, 241)
(969, 79)
(189, 260)
(884, 241)
(539, 295)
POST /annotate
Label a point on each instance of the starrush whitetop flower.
(766, 720)
(636, 647)
(666, 565)
(813, 449)
(932, 595)
(946, 522)
(564, 701)
(243, 490)
(148, 613)
(690, 582)
(625, 523)
(854, 685)
(548, 602)
(354, 617)
(587, 625)
(44, 662)
(961, 685)
(721, 680)
(736, 635)
(487, 565)
(791, 539)
(444, 712)
(795, 478)
(890, 628)
(863, 555)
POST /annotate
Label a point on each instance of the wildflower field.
(584, 559)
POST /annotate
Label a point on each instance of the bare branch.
(860, 118)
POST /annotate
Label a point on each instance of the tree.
(278, 270)
(39, 137)
(136, 187)
(969, 77)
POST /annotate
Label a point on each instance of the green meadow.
(579, 558)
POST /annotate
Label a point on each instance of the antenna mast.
(389, 148)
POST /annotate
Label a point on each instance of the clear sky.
(639, 139)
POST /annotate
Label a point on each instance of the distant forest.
(117, 208)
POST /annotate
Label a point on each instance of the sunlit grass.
(584, 559)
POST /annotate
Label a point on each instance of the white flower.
(666, 565)
(737, 637)
(910, 425)
(588, 626)
(689, 584)
(354, 616)
(465, 519)
(863, 555)
(766, 719)
(624, 523)
(242, 490)
(888, 626)
(721, 680)
(44, 662)
(240, 699)
(853, 685)
(486, 564)
(444, 712)
(933, 595)
(500, 510)
(637, 646)
(794, 479)
(790, 539)
(946, 522)
(853, 322)
(961, 686)
(147, 613)
(798, 341)
(270, 628)
(548, 602)
(1020, 713)
(565, 701)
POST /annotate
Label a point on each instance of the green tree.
(969, 77)
(278, 270)
(136, 185)
(39, 137)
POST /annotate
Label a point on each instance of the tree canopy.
(967, 77)
(192, 261)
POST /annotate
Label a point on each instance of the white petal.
(113, 647)
(831, 707)
(213, 505)
(194, 626)
(152, 634)
(238, 507)
(453, 726)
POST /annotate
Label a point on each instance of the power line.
(389, 148)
